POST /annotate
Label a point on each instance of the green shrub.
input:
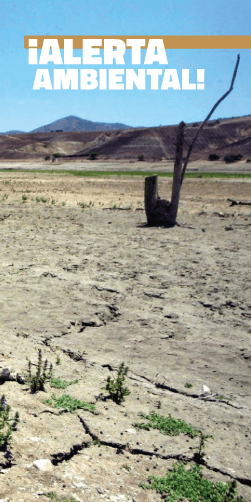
(94, 155)
(47, 157)
(7, 424)
(141, 157)
(42, 374)
(41, 199)
(116, 388)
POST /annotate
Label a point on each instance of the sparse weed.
(41, 199)
(53, 201)
(96, 442)
(61, 384)
(7, 424)
(5, 196)
(126, 467)
(42, 374)
(200, 455)
(181, 483)
(169, 426)
(24, 198)
(221, 398)
(68, 403)
(63, 203)
(116, 388)
(58, 361)
(188, 385)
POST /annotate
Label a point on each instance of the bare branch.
(208, 117)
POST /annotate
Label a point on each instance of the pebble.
(205, 390)
(43, 464)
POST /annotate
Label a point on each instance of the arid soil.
(83, 279)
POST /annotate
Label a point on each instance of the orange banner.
(170, 42)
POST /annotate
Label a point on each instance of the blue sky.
(24, 109)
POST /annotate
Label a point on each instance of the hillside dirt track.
(96, 287)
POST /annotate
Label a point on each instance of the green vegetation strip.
(169, 426)
(68, 403)
(182, 484)
(101, 174)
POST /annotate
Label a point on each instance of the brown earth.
(95, 287)
(221, 137)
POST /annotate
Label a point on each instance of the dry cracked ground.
(94, 288)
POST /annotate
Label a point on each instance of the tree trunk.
(160, 212)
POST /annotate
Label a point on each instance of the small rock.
(205, 391)
(43, 464)
(99, 489)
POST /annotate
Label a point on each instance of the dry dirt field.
(83, 279)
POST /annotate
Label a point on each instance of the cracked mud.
(95, 288)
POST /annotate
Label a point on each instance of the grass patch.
(61, 384)
(181, 484)
(68, 403)
(102, 174)
(169, 426)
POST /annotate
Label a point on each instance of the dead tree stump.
(160, 212)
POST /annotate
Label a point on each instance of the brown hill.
(220, 137)
(73, 123)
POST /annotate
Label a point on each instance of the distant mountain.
(74, 124)
(11, 132)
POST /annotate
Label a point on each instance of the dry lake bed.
(84, 280)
